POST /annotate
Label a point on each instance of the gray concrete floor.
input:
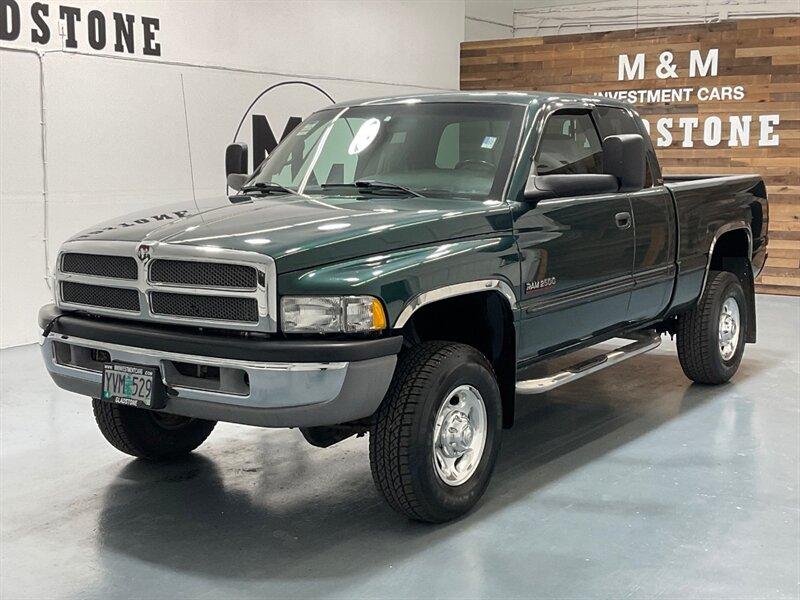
(629, 483)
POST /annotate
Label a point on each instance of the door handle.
(623, 220)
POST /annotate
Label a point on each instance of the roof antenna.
(189, 145)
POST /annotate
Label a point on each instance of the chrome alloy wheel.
(729, 325)
(459, 435)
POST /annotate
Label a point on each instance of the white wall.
(115, 131)
(496, 19)
(489, 19)
(553, 17)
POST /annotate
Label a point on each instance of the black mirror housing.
(542, 187)
(236, 159)
(623, 157)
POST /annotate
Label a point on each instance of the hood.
(300, 232)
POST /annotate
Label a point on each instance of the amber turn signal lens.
(378, 316)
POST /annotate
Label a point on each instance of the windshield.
(433, 149)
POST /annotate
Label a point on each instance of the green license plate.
(128, 384)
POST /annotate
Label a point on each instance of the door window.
(618, 121)
(615, 121)
(569, 146)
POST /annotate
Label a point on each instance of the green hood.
(303, 232)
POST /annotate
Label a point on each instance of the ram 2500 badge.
(391, 269)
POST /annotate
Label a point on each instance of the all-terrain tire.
(401, 446)
(148, 434)
(700, 349)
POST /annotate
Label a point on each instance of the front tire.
(437, 433)
(711, 337)
(149, 434)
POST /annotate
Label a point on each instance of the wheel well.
(732, 253)
(733, 244)
(484, 321)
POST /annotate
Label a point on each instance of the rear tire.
(711, 336)
(149, 434)
(437, 434)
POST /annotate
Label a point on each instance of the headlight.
(331, 314)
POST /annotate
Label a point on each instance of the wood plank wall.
(760, 55)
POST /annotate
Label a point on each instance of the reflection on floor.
(629, 483)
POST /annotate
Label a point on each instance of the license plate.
(129, 384)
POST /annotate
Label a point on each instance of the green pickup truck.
(393, 268)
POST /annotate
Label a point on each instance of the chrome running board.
(642, 342)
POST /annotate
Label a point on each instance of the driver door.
(576, 252)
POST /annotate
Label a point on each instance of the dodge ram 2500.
(392, 268)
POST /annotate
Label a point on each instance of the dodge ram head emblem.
(143, 252)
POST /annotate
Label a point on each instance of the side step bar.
(642, 342)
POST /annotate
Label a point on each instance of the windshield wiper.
(367, 184)
(375, 186)
(265, 187)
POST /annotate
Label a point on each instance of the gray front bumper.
(266, 394)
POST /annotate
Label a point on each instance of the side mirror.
(237, 180)
(623, 157)
(236, 159)
(542, 187)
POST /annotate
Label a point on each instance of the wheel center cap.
(466, 435)
(457, 435)
(729, 326)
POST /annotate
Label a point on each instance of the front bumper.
(268, 383)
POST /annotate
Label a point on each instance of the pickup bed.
(391, 269)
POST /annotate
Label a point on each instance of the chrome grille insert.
(222, 308)
(174, 283)
(203, 274)
(99, 295)
(114, 267)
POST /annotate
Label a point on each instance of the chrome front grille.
(203, 274)
(113, 267)
(169, 283)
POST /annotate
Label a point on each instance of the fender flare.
(727, 228)
(451, 291)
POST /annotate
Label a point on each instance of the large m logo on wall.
(282, 102)
(264, 141)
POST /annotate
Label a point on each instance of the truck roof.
(491, 97)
